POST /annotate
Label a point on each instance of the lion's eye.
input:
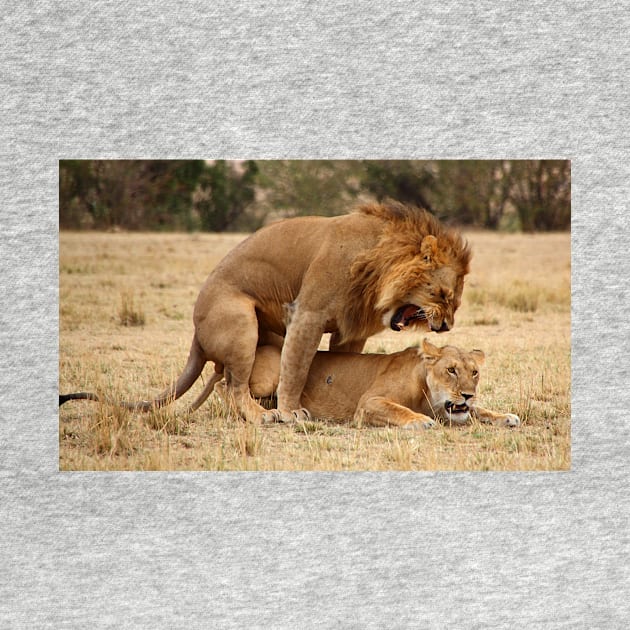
(451, 370)
(475, 373)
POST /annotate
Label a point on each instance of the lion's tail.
(207, 390)
(77, 396)
(192, 370)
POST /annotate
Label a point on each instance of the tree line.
(242, 195)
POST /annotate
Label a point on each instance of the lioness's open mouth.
(406, 314)
(451, 407)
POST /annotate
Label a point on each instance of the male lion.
(408, 389)
(352, 275)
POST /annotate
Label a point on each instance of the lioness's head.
(452, 378)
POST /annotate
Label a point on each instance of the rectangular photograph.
(315, 315)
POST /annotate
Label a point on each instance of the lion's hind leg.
(498, 419)
(232, 346)
(381, 411)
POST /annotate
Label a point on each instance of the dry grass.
(125, 328)
(129, 314)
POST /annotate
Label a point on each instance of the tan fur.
(348, 275)
(345, 275)
(408, 389)
(415, 258)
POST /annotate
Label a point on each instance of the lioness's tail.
(192, 370)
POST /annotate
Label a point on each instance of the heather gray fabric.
(350, 80)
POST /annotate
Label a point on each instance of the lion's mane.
(396, 263)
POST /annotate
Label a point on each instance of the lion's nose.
(443, 328)
(467, 396)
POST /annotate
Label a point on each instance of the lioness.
(409, 389)
(384, 265)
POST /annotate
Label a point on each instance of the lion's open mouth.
(405, 315)
(452, 408)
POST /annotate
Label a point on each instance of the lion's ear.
(429, 351)
(480, 357)
(428, 249)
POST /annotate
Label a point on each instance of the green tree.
(483, 193)
(303, 187)
(133, 194)
(76, 179)
(226, 189)
(407, 181)
(541, 192)
(473, 192)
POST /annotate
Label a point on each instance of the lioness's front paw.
(414, 426)
(511, 420)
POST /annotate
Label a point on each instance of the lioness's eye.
(451, 370)
(475, 372)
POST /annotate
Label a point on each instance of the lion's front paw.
(511, 420)
(286, 417)
(271, 416)
(300, 415)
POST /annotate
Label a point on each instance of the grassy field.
(125, 329)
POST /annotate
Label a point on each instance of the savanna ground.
(125, 329)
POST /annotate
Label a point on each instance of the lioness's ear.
(428, 248)
(480, 357)
(430, 352)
